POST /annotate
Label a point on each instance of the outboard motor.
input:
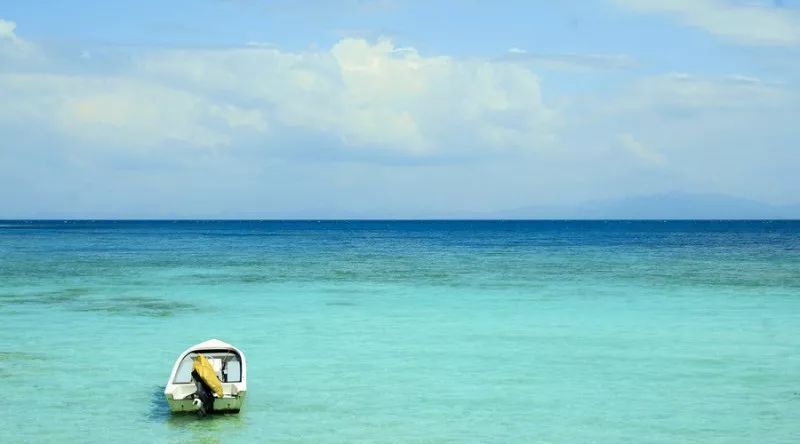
(204, 395)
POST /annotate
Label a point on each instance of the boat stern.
(180, 399)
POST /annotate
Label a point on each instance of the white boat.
(186, 391)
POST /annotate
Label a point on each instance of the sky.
(392, 108)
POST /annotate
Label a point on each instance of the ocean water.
(401, 331)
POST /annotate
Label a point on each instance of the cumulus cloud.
(374, 95)
(740, 22)
(11, 45)
(368, 96)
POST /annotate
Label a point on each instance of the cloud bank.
(372, 127)
(365, 96)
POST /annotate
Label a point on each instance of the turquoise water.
(406, 331)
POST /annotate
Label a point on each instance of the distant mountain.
(659, 206)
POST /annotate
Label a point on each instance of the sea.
(406, 331)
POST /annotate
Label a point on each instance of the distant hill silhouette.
(658, 206)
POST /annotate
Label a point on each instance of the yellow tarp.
(206, 372)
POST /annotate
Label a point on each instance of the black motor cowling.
(204, 394)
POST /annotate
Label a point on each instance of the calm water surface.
(406, 331)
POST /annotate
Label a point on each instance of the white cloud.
(374, 95)
(571, 62)
(642, 152)
(7, 30)
(721, 134)
(119, 112)
(687, 92)
(740, 22)
(11, 45)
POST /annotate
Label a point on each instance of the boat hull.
(223, 405)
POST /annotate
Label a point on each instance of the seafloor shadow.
(10, 361)
(340, 304)
(158, 411)
(79, 299)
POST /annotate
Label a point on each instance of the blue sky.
(391, 108)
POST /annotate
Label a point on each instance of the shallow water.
(406, 331)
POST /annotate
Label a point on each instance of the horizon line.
(432, 219)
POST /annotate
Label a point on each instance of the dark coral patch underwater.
(84, 300)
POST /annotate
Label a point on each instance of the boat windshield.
(226, 364)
